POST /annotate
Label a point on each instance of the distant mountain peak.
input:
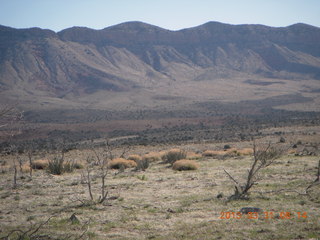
(135, 26)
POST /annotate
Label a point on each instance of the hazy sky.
(169, 14)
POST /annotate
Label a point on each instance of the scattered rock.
(220, 195)
(170, 210)
(113, 198)
(74, 219)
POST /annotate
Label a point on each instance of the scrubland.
(159, 202)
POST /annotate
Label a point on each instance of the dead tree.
(262, 158)
(89, 182)
(99, 163)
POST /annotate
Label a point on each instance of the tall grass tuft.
(56, 166)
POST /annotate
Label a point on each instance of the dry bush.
(174, 155)
(119, 163)
(40, 164)
(263, 156)
(142, 164)
(152, 156)
(193, 156)
(135, 157)
(184, 165)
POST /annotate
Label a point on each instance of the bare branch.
(235, 181)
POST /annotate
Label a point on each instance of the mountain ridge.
(136, 57)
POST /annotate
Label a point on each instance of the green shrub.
(227, 146)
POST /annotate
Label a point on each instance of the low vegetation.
(135, 157)
(121, 163)
(152, 156)
(185, 165)
(174, 155)
(40, 164)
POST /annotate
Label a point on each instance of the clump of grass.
(174, 155)
(229, 152)
(25, 168)
(58, 166)
(120, 163)
(193, 156)
(185, 165)
(135, 157)
(212, 153)
(152, 156)
(40, 164)
(142, 178)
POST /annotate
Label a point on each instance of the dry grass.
(245, 151)
(25, 168)
(152, 156)
(292, 151)
(135, 157)
(40, 164)
(4, 168)
(174, 150)
(185, 165)
(161, 203)
(119, 163)
(193, 156)
(229, 152)
(213, 153)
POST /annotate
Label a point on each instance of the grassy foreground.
(160, 203)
